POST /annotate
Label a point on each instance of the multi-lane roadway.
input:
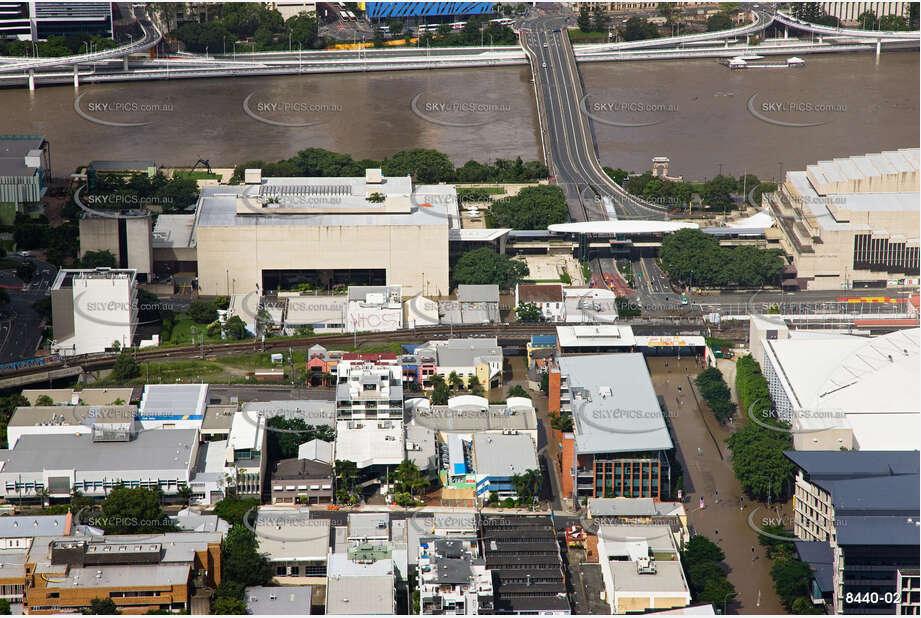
(566, 131)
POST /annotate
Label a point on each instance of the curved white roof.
(464, 401)
(621, 227)
(519, 402)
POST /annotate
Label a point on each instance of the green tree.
(234, 328)
(8, 405)
(600, 20)
(455, 381)
(409, 478)
(240, 558)
(5, 609)
(867, 21)
(716, 392)
(517, 391)
(134, 510)
(791, 580)
(44, 400)
(474, 386)
(528, 312)
(484, 265)
(229, 607)
(533, 208)
(98, 259)
(232, 509)
(287, 434)
(440, 394)
(584, 20)
(125, 367)
(638, 29)
(102, 607)
(347, 477)
(892, 23)
(561, 422)
(424, 165)
(617, 175)
(720, 21)
(25, 270)
(202, 311)
(184, 494)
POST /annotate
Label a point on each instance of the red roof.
(548, 293)
(915, 300)
(892, 322)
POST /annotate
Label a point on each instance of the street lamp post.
(726, 598)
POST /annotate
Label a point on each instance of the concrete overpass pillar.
(747, 39)
(879, 43)
(786, 32)
(76, 76)
(820, 39)
(31, 79)
(125, 64)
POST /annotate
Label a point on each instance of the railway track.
(105, 361)
(505, 333)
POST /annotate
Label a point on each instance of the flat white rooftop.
(367, 444)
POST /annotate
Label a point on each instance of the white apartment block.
(93, 310)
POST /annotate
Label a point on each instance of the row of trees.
(695, 258)
(596, 21)
(424, 165)
(533, 208)
(701, 560)
(251, 22)
(715, 391)
(757, 449)
(287, 434)
(60, 243)
(483, 265)
(115, 191)
(868, 20)
(715, 194)
(442, 389)
(56, 46)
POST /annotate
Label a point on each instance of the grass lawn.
(182, 333)
(577, 36)
(196, 175)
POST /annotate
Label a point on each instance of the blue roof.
(855, 464)
(377, 10)
(819, 556)
(879, 495)
(542, 340)
(877, 531)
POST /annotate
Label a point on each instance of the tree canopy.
(484, 265)
(533, 208)
(133, 510)
(693, 257)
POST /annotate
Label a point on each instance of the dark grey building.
(856, 515)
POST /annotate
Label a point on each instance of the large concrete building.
(843, 391)
(848, 12)
(277, 233)
(856, 524)
(851, 222)
(128, 238)
(93, 310)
